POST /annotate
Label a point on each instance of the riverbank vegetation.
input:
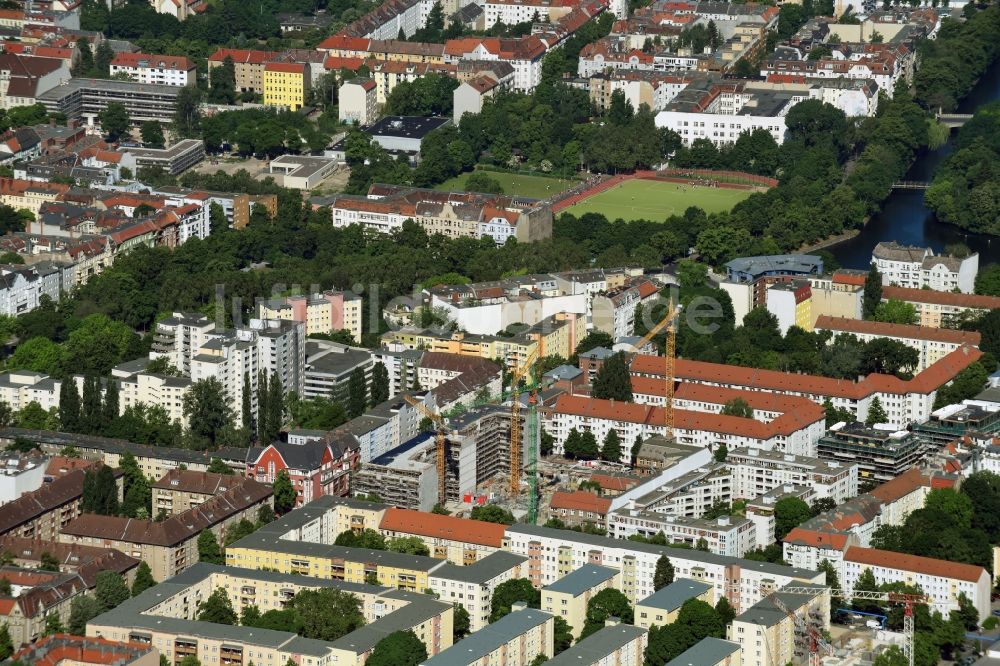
(966, 188)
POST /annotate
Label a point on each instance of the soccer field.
(536, 187)
(656, 200)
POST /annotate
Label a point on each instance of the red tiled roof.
(901, 486)
(243, 56)
(856, 279)
(941, 298)
(580, 500)
(927, 381)
(343, 43)
(443, 527)
(152, 60)
(816, 538)
(887, 330)
(287, 67)
(350, 64)
(914, 563)
(617, 483)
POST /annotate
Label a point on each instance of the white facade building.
(155, 69)
(756, 472)
(919, 267)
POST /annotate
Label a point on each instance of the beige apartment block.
(568, 597)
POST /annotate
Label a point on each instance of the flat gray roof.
(597, 646)
(579, 581)
(479, 644)
(482, 571)
(673, 596)
(705, 651)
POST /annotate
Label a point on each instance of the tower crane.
(908, 601)
(442, 445)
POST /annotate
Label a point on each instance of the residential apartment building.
(317, 466)
(918, 267)
(461, 541)
(619, 644)
(248, 64)
(358, 102)
(569, 596)
(472, 585)
(662, 607)
(881, 452)
(181, 490)
(905, 401)
(453, 214)
(756, 472)
(170, 546)
(43, 513)
(163, 70)
(554, 553)
(286, 84)
(749, 278)
(931, 343)
(733, 536)
(155, 390)
(791, 304)
(323, 312)
(35, 595)
(710, 652)
(579, 507)
(614, 311)
(690, 427)
(941, 580)
(164, 618)
(24, 78)
(21, 473)
(516, 639)
(769, 634)
(721, 111)
(939, 308)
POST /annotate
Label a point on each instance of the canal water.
(905, 219)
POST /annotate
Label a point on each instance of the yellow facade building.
(663, 606)
(286, 84)
(568, 597)
(557, 336)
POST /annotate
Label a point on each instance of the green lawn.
(537, 187)
(656, 200)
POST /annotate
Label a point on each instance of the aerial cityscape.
(499, 333)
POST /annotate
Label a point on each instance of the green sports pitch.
(656, 200)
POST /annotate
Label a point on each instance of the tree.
(721, 452)
(592, 340)
(562, 635)
(208, 548)
(607, 603)
(207, 411)
(611, 450)
(588, 446)
(866, 583)
(380, 384)
(738, 407)
(510, 592)
(217, 608)
(223, 82)
(82, 609)
(410, 545)
(357, 393)
(138, 495)
(460, 623)
(247, 406)
(491, 513)
(664, 574)
(822, 505)
(725, 611)
(613, 381)
(327, 614)
(5, 588)
(152, 134)
(239, 530)
(957, 506)
(891, 656)
(789, 513)
(400, 648)
(285, 496)
(110, 590)
(85, 62)
(48, 562)
(100, 492)
(69, 406)
(53, 625)
(480, 181)
(6, 644)
(876, 413)
(187, 116)
(895, 311)
(91, 412)
(216, 466)
(114, 120)
(366, 538)
(872, 293)
(143, 579)
(967, 613)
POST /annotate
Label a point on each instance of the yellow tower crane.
(442, 445)
(670, 357)
(515, 420)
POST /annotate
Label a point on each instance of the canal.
(905, 219)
